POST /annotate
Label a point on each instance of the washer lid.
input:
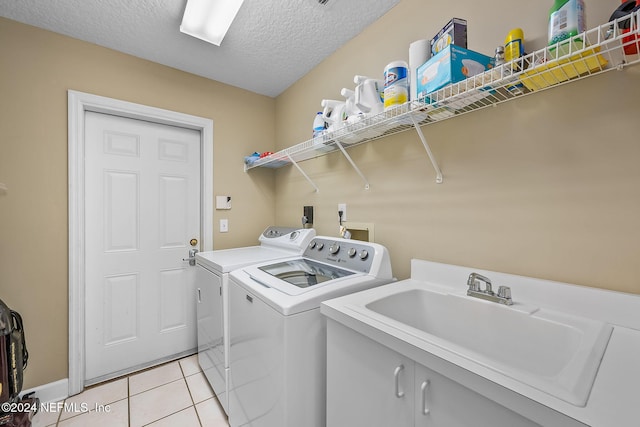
(304, 273)
(297, 276)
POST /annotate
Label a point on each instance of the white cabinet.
(367, 384)
(371, 385)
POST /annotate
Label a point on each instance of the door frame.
(78, 104)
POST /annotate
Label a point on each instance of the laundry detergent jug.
(354, 117)
(369, 95)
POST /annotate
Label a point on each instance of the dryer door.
(210, 327)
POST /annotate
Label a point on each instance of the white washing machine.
(212, 278)
(277, 355)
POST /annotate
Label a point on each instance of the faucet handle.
(472, 283)
(504, 292)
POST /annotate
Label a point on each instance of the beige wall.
(36, 70)
(545, 186)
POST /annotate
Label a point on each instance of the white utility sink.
(554, 352)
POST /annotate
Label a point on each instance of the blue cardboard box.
(451, 65)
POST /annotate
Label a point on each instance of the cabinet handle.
(423, 389)
(396, 376)
(199, 296)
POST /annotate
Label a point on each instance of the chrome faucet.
(475, 280)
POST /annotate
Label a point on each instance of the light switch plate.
(223, 202)
(224, 225)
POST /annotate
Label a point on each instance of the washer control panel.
(288, 238)
(273, 232)
(351, 254)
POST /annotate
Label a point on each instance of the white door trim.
(78, 103)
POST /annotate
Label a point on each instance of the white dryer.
(277, 335)
(212, 278)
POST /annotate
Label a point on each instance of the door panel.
(173, 307)
(121, 211)
(174, 218)
(142, 207)
(120, 306)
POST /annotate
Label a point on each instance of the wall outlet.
(224, 225)
(307, 215)
(343, 207)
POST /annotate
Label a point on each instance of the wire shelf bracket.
(355, 167)
(428, 149)
(309, 180)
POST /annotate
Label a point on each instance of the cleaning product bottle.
(369, 95)
(353, 116)
(334, 114)
(622, 14)
(318, 125)
(351, 110)
(566, 20)
(514, 48)
(396, 84)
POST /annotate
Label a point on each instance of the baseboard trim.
(56, 391)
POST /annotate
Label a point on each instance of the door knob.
(192, 257)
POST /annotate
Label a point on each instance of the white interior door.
(142, 209)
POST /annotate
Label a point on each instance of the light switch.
(224, 225)
(223, 202)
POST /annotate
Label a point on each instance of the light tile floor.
(173, 394)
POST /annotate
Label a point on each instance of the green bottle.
(566, 20)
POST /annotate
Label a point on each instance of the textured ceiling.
(271, 43)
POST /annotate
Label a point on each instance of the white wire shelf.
(601, 49)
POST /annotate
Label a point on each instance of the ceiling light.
(209, 20)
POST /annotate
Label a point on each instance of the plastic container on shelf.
(514, 47)
(396, 84)
(566, 20)
(318, 125)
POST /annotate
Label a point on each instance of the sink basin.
(554, 352)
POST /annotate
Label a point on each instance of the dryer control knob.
(352, 252)
(293, 235)
(312, 245)
(334, 249)
(364, 254)
(320, 246)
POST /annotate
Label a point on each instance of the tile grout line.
(188, 390)
(190, 395)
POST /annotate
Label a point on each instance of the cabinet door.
(367, 383)
(441, 402)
